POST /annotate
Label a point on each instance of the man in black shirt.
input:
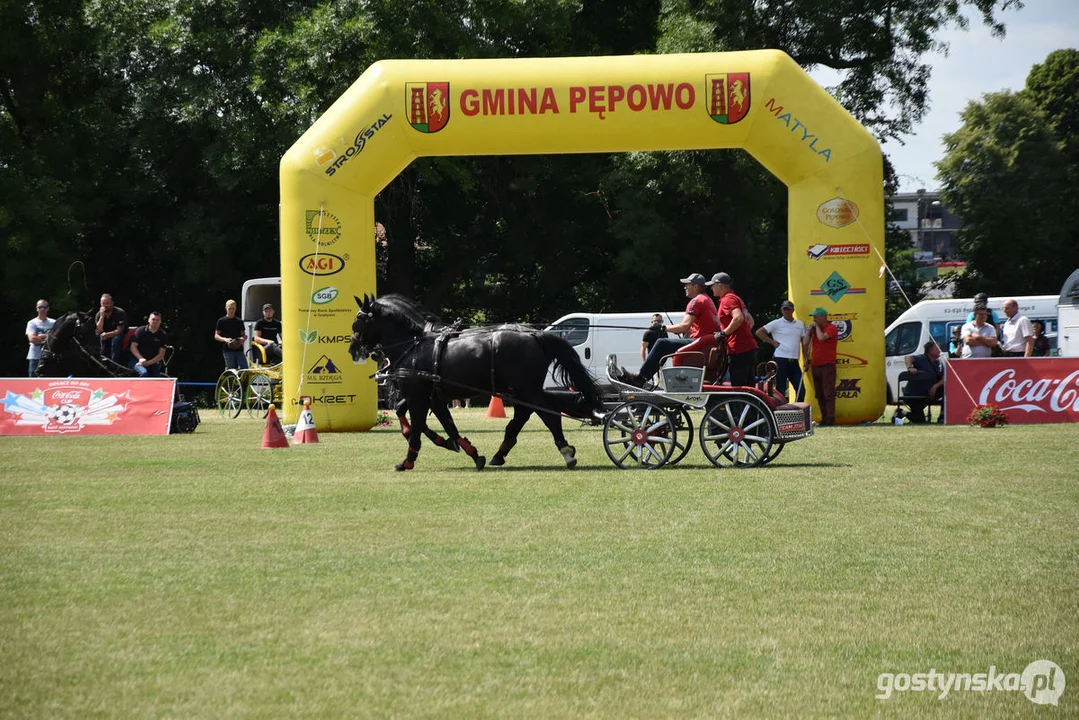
(148, 347)
(268, 334)
(655, 332)
(231, 333)
(111, 326)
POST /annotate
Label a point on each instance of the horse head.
(74, 327)
(364, 333)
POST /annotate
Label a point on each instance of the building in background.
(931, 227)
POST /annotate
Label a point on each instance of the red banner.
(1030, 390)
(86, 406)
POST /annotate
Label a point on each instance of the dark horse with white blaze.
(72, 349)
(433, 363)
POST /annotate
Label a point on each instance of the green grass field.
(201, 576)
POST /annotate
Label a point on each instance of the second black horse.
(433, 363)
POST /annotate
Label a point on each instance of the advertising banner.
(86, 406)
(1029, 390)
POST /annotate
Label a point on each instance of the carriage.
(432, 363)
(253, 389)
(740, 427)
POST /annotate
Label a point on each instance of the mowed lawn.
(201, 576)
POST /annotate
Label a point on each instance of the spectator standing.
(736, 328)
(1016, 333)
(148, 346)
(268, 334)
(111, 326)
(37, 331)
(994, 319)
(230, 332)
(1041, 342)
(820, 345)
(979, 337)
(785, 335)
(699, 321)
(651, 335)
(926, 380)
(955, 347)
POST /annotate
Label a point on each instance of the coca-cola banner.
(1030, 390)
(86, 406)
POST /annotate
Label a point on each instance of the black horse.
(73, 349)
(433, 363)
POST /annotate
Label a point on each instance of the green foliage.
(1010, 171)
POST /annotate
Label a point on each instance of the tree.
(1011, 176)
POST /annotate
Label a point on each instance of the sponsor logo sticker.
(325, 295)
(837, 213)
(322, 264)
(838, 252)
(848, 388)
(323, 371)
(835, 287)
(322, 227)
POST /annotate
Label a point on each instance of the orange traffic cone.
(274, 435)
(496, 409)
(305, 428)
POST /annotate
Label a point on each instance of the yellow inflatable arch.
(399, 110)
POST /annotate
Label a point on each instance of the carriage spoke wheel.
(258, 396)
(683, 439)
(639, 435)
(736, 432)
(777, 447)
(229, 394)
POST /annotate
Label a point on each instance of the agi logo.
(322, 264)
(428, 105)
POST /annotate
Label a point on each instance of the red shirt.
(703, 311)
(823, 351)
(742, 339)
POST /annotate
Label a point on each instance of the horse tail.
(569, 370)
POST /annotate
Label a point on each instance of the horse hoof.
(481, 461)
(498, 460)
(569, 453)
(401, 467)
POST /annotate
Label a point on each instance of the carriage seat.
(773, 400)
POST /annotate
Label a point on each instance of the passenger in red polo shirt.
(736, 329)
(820, 347)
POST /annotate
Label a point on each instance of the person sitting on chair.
(268, 334)
(926, 382)
(148, 346)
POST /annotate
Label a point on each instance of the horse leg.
(417, 411)
(443, 415)
(513, 429)
(401, 409)
(455, 441)
(553, 421)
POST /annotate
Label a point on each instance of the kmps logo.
(728, 97)
(848, 388)
(312, 337)
(428, 105)
(325, 296)
(322, 264)
(322, 227)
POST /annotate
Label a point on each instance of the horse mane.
(406, 310)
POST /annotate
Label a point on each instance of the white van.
(934, 319)
(596, 335)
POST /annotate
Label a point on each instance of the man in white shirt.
(785, 335)
(1016, 333)
(37, 330)
(979, 337)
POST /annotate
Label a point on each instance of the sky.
(977, 63)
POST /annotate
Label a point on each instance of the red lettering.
(635, 98)
(493, 102)
(526, 99)
(660, 95)
(470, 104)
(595, 99)
(614, 94)
(548, 102)
(685, 96)
(771, 105)
(576, 96)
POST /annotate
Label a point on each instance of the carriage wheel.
(684, 425)
(639, 435)
(777, 447)
(258, 396)
(230, 394)
(736, 432)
